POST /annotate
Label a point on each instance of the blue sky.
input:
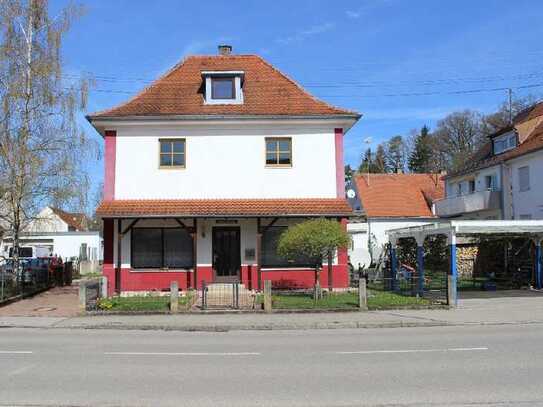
(400, 63)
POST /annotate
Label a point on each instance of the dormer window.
(504, 143)
(223, 87)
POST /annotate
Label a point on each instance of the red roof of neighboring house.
(399, 195)
(529, 113)
(76, 220)
(484, 158)
(266, 91)
(224, 207)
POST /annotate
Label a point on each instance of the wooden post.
(362, 295)
(82, 296)
(267, 296)
(118, 268)
(174, 297)
(195, 254)
(318, 292)
(330, 278)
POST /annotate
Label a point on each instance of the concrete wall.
(225, 162)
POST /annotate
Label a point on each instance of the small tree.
(317, 240)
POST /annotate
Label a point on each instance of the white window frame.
(208, 78)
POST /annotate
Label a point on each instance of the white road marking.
(369, 352)
(15, 352)
(182, 353)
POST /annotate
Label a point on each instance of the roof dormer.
(223, 87)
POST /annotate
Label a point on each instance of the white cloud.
(369, 6)
(303, 34)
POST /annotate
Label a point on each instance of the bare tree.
(42, 148)
(458, 136)
(506, 113)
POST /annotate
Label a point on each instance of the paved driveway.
(56, 302)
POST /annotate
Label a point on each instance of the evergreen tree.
(367, 162)
(380, 160)
(421, 156)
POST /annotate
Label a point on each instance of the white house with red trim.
(207, 166)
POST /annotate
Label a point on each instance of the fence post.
(204, 305)
(174, 296)
(318, 292)
(82, 296)
(362, 295)
(103, 287)
(267, 296)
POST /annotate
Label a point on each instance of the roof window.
(223, 87)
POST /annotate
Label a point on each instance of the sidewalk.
(487, 311)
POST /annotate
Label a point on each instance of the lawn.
(376, 300)
(141, 303)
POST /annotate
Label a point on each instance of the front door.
(226, 254)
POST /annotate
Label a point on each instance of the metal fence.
(34, 276)
(227, 296)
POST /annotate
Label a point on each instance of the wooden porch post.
(118, 268)
(258, 254)
(195, 254)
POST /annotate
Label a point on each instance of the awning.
(201, 208)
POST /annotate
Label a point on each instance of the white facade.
(515, 201)
(370, 238)
(528, 203)
(248, 232)
(225, 161)
(61, 244)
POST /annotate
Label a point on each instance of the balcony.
(473, 202)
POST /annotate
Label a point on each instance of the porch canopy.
(531, 229)
(266, 212)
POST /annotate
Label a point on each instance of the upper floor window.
(505, 142)
(223, 88)
(172, 153)
(279, 151)
(524, 178)
(490, 182)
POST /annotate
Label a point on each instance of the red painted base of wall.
(160, 280)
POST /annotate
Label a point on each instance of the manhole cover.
(44, 309)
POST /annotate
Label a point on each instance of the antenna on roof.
(368, 141)
(510, 92)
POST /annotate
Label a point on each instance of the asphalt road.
(493, 365)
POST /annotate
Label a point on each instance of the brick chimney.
(225, 49)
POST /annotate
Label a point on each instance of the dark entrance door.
(226, 254)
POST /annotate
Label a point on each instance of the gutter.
(91, 118)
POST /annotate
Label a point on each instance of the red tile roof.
(76, 220)
(399, 195)
(529, 113)
(483, 158)
(266, 91)
(224, 207)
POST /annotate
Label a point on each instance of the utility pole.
(510, 92)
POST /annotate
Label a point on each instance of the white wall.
(225, 162)
(47, 221)
(205, 233)
(63, 244)
(358, 252)
(528, 202)
(377, 231)
(479, 177)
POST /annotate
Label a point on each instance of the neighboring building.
(390, 201)
(207, 166)
(503, 179)
(56, 232)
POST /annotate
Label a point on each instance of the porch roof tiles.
(224, 207)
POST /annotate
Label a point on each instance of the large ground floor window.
(161, 248)
(270, 258)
